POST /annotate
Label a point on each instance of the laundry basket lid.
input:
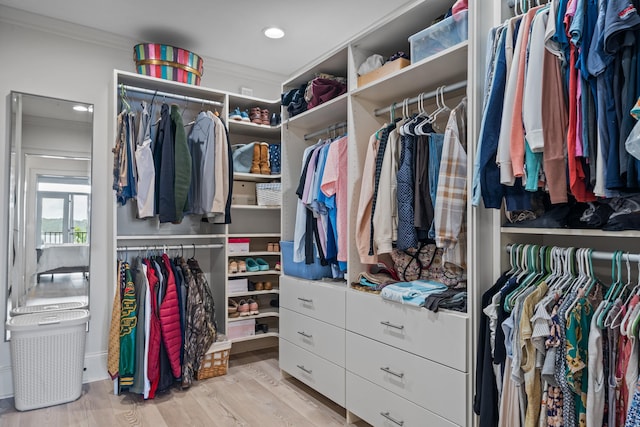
(47, 319)
(29, 309)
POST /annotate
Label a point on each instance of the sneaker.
(235, 114)
(245, 116)
(253, 306)
(232, 308)
(243, 308)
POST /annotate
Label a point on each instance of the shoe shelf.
(255, 207)
(256, 273)
(169, 236)
(272, 333)
(254, 129)
(264, 312)
(252, 254)
(253, 293)
(326, 114)
(570, 232)
(256, 177)
(255, 235)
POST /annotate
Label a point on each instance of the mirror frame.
(16, 281)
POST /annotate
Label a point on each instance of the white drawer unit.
(319, 300)
(431, 385)
(318, 337)
(382, 408)
(441, 337)
(325, 377)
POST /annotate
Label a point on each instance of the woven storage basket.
(269, 194)
(216, 360)
(168, 62)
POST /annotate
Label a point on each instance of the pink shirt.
(334, 181)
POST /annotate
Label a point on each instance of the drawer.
(319, 300)
(318, 337)
(369, 402)
(431, 385)
(323, 376)
(441, 337)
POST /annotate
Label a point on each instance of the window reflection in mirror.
(50, 202)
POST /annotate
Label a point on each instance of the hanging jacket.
(164, 161)
(170, 320)
(128, 322)
(153, 369)
(113, 354)
(200, 330)
(182, 165)
(140, 282)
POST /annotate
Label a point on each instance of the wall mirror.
(49, 177)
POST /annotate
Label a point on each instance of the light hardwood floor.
(253, 393)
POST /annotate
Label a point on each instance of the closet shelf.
(252, 253)
(171, 237)
(255, 273)
(256, 207)
(448, 66)
(264, 312)
(254, 235)
(241, 176)
(321, 116)
(255, 337)
(570, 232)
(253, 293)
(254, 129)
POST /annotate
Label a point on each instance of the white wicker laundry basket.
(47, 357)
(269, 194)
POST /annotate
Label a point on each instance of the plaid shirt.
(451, 200)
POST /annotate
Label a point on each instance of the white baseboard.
(95, 369)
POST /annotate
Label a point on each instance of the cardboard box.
(241, 328)
(238, 285)
(388, 68)
(238, 245)
(244, 193)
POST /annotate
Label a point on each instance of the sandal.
(252, 265)
(262, 264)
(232, 308)
(242, 266)
(233, 266)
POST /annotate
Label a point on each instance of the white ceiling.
(226, 30)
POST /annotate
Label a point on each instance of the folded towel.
(412, 293)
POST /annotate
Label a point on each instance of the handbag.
(425, 263)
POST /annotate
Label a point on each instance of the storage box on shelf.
(438, 37)
(386, 69)
(241, 328)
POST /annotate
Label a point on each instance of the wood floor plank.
(252, 393)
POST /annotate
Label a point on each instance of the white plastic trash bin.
(47, 357)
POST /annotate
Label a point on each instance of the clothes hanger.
(579, 282)
(527, 277)
(428, 117)
(611, 292)
(405, 117)
(123, 99)
(631, 311)
(617, 319)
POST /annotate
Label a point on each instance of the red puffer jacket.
(155, 335)
(170, 321)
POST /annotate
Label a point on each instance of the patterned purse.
(425, 262)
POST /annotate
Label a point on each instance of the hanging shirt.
(182, 166)
(203, 159)
(334, 182)
(363, 218)
(145, 167)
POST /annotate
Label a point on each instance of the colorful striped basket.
(168, 62)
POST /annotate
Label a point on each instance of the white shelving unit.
(127, 231)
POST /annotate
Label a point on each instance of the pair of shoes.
(274, 158)
(248, 307)
(232, 308)
(273, 247)
(245, 116)
(235, 114)
(262, 327)
(257, 264)
(260, 163)
(233, 267)
(264, 116)
(263, 286)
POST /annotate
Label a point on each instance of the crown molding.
(82, 33)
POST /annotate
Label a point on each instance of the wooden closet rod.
(447, 89)
(172, 95)
(169, 247)
(599, 255)
(325, 130)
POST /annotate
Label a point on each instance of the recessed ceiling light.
(273, 32)
(80, 108)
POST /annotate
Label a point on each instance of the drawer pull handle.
(391, 325)
(305, 334)
(390, 418)
(308, 371)
(389, 371)
(305, 300)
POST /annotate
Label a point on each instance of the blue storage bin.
(438, 37)
(313, 271)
